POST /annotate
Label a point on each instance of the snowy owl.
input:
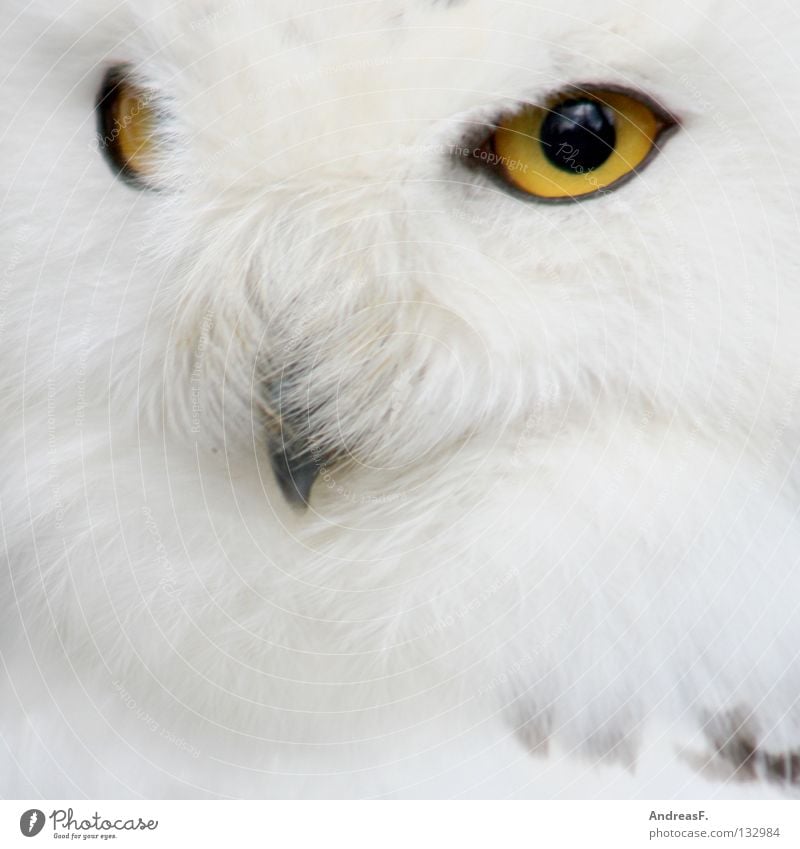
(399, 399)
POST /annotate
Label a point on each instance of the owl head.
(349, 240)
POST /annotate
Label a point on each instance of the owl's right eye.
(126, 120)
(582, 142)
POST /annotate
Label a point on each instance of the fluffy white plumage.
(560, 555)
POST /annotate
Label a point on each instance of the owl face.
(442, 351)
(356, 237)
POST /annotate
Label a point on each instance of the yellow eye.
(580, 143)
(125, 125)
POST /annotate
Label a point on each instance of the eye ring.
(125, 124)
(514, 153)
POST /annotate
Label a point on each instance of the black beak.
(296, 461)
(295, 471)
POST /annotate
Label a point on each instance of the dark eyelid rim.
(669, 123)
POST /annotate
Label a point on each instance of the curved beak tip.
(295, 474)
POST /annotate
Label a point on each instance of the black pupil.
(578, 135)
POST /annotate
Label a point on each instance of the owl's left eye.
(580, 143)
(126, 121)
